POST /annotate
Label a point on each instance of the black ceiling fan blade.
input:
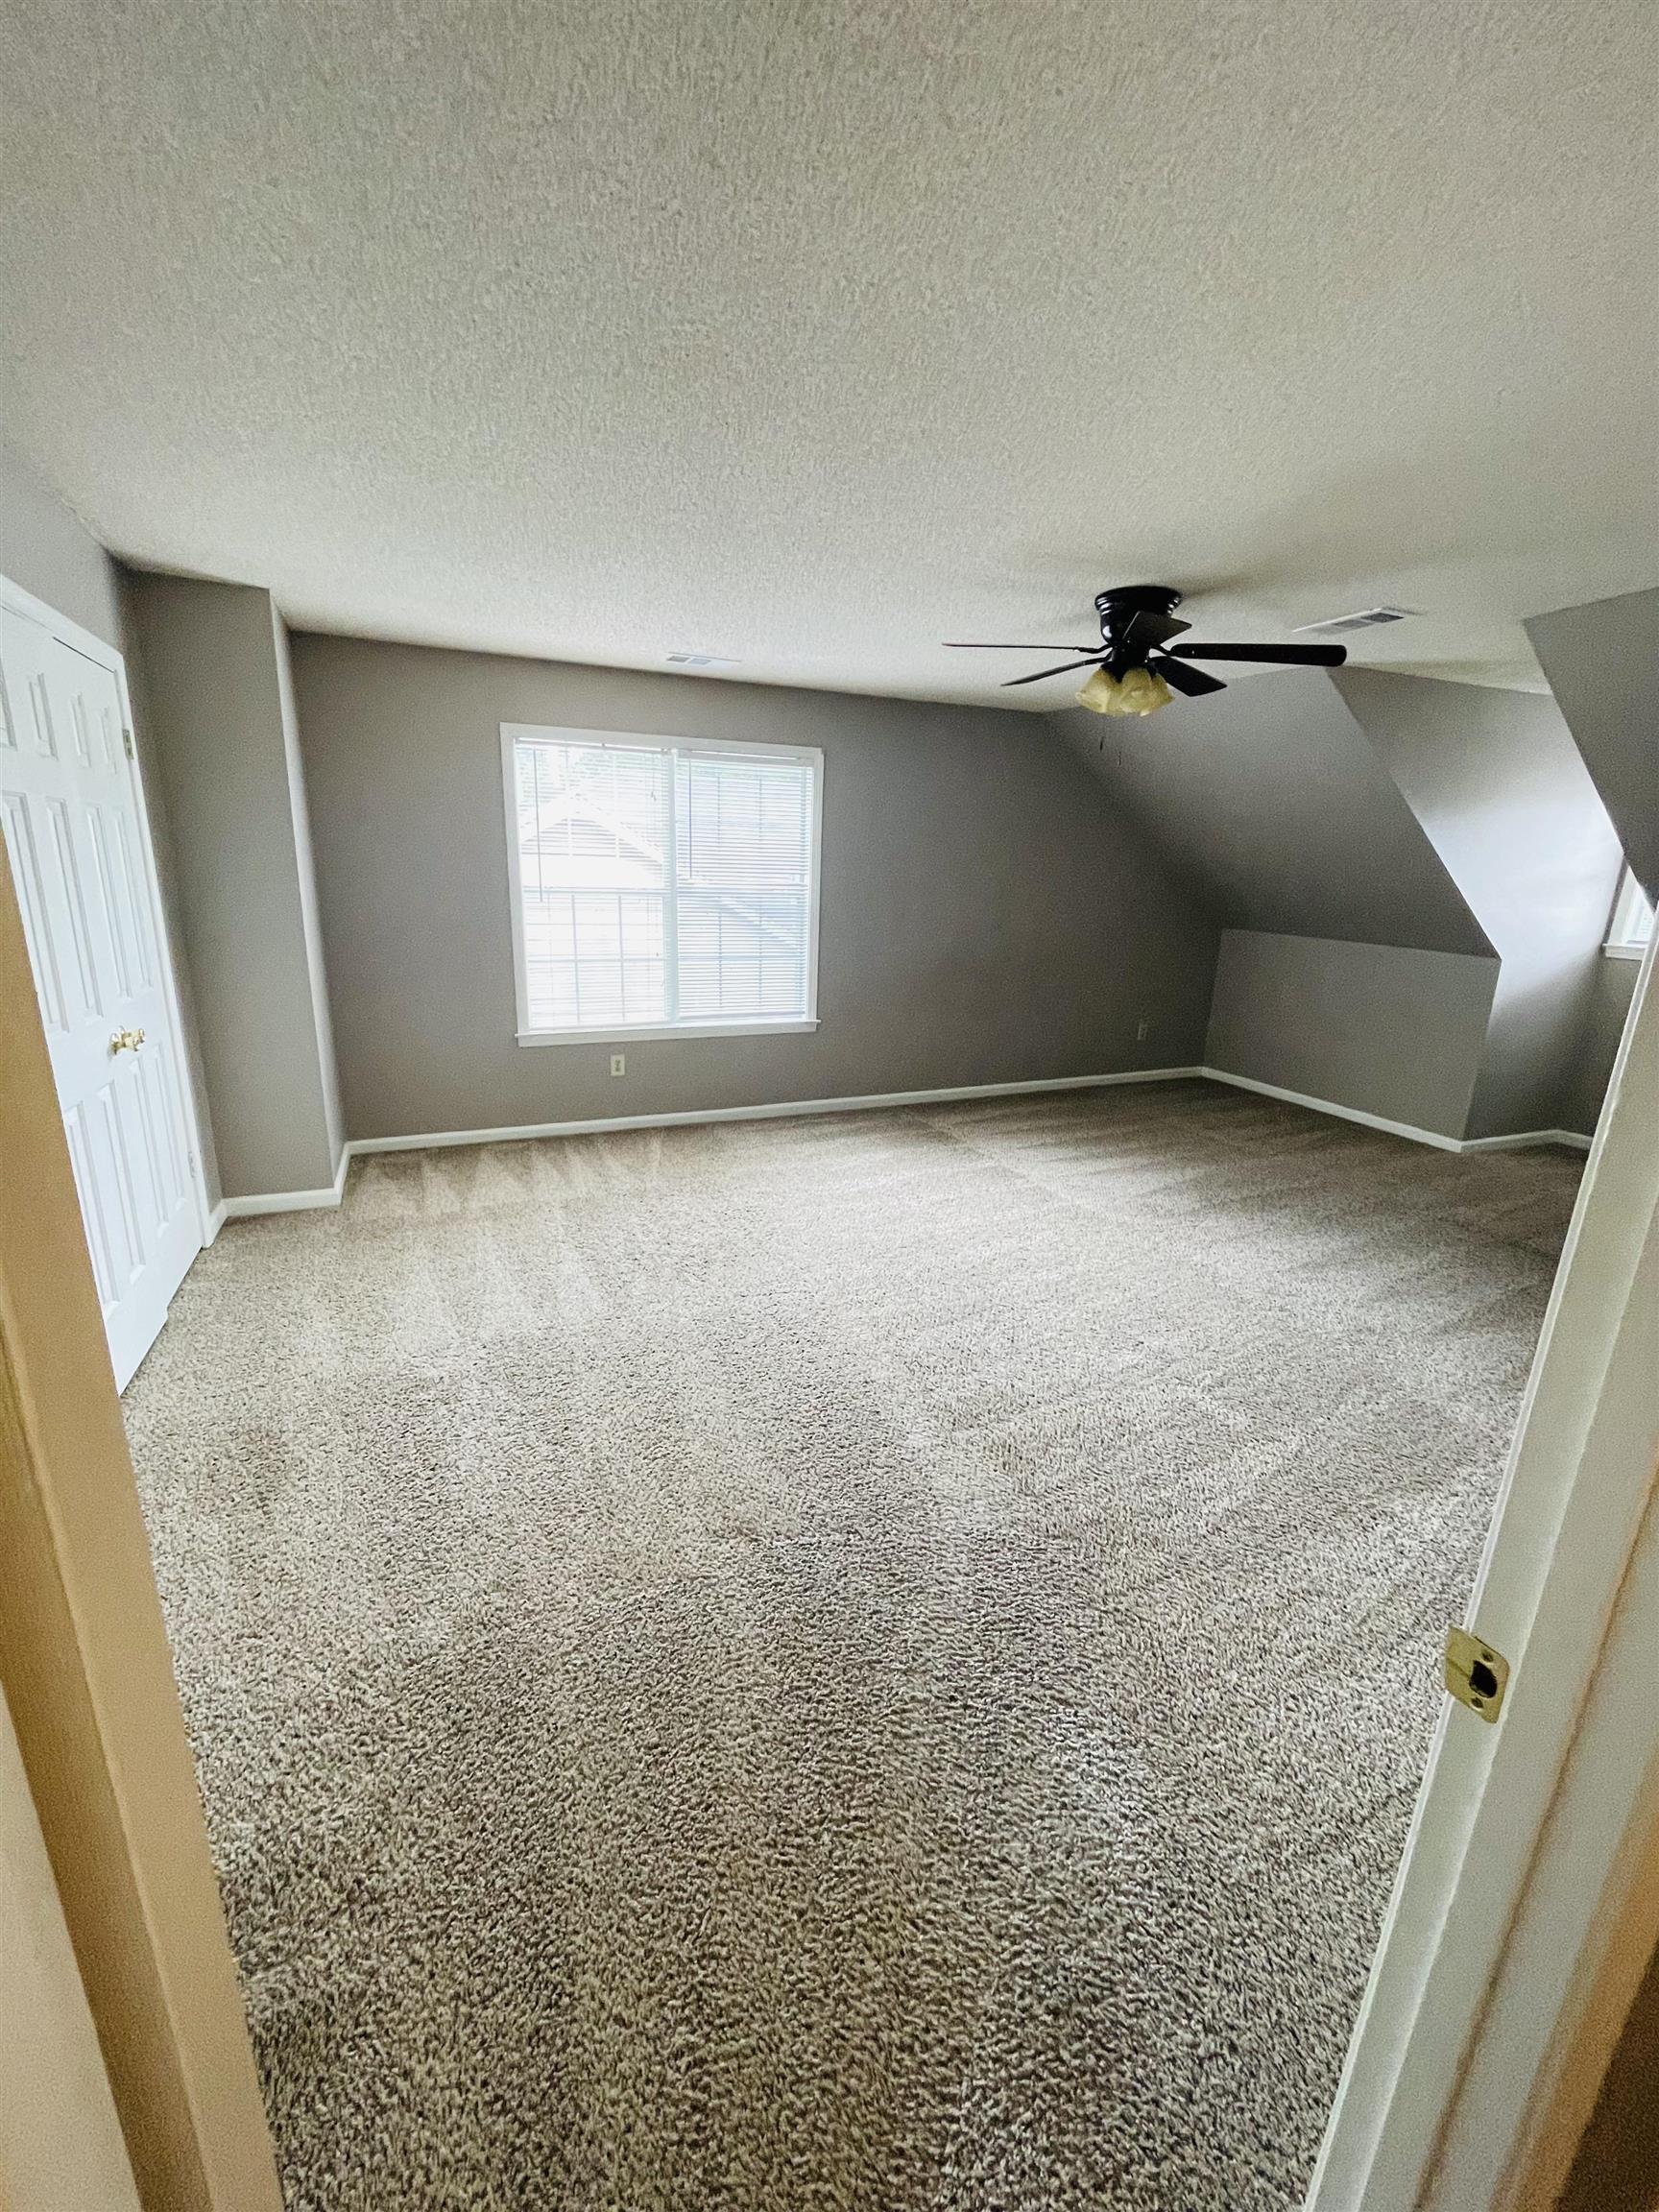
(1148, 630)
(978, 645)
(1065, 668)
(1194, 682)
(1290, 656)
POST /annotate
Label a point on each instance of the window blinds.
(662, 886)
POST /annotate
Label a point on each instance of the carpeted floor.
(878, 1660)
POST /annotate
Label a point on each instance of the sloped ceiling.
(1501, 793)
(1603, 662)
(1272, 800)
(812, 335)
(1499, 789)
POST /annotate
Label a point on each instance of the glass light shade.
(1137, 692)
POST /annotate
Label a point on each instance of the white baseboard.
(287, 1201)
(1406, 1129)
(1568, 1137)
(1342, 1112)
(786, 1107)
(215, 1223)
(300, 1201)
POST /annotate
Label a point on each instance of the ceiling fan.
(1139, 665)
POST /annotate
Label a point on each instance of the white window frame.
(515, 734)
(1623, 942)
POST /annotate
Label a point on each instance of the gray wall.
(1497, 785)
(1272, 800)
(986, 916)
(49, 552)
(1353, 968)
(1396, 814)
(1586, 1086)
(1391, 1030)
(212, 656)
(1603, 662)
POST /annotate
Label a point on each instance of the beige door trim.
(87, 1672)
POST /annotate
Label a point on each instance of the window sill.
(665, 1031)
(1622, 952)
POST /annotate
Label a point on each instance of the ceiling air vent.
(1368, 618)
(698, 660)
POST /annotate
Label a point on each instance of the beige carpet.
(874, 1661)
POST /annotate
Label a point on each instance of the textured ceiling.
(810, 334)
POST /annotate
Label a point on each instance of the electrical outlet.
(1140, 1033)
(618, 1062)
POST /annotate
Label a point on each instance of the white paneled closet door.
(78, 844)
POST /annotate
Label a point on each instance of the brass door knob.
(126, 1041)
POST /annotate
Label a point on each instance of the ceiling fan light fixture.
(1147, 654)
(1137, 692)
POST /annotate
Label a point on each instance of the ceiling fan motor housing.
(1118, 610)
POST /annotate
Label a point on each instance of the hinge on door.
(1477, 1673)
(127, 740)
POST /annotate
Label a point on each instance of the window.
(1632, 922)
(660, 888)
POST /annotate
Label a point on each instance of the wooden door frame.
(1493, 2001)
(89, 1678)
(61, 2141)
(107, 656)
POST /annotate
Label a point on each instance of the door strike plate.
(1477, 1673)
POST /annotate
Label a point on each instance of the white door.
(1531, 1821)
(77, 841)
